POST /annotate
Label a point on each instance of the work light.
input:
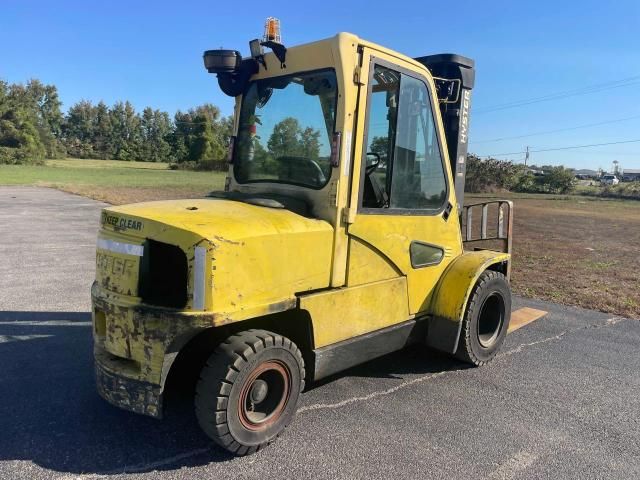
(222, 61)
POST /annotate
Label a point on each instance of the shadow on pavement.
(414, 360)
(50, 413)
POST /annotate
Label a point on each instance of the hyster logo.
(120, 223)
(464, 123)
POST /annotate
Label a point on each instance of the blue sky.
(150, 53)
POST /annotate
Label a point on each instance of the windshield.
(285, 130)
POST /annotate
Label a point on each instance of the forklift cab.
(353, 132)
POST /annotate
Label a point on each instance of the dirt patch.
(583, 253)
(124, 195)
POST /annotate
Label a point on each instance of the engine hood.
(244, 260)
(209, 218)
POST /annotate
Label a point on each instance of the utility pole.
(526, 157)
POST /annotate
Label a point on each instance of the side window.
(381, 131)
(418, 180)
(404, 166)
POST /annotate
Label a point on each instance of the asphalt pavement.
(560, 401)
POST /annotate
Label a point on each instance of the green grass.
(106, 173)
(91, 163)
(114, 181)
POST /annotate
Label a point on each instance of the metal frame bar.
(504, 227)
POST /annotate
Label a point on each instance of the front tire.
(249, 389)
(486, 320)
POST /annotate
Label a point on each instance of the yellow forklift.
(340, 236)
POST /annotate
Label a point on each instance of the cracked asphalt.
(561, 400)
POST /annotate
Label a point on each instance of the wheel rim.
(264, 395)
(491, 320)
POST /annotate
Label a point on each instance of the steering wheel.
(310, 170)
(369, 169)
(317, 170)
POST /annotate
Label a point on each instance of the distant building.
(586, 174)
(629, 175)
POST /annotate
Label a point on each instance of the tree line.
(33, 128)
(492, 175)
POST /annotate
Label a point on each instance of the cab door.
(402, 193)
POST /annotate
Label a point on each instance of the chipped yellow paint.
(345, 313)
(117, 272)
(132, 340)
(524, 316)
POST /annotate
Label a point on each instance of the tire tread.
(217, 378)
(464, 352)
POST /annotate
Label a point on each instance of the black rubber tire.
(224, 382)
(486, 320)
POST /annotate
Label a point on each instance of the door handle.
(447, 211)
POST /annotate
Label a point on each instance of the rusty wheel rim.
(264, 395)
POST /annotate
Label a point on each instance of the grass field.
(573, 250)
(114, 181)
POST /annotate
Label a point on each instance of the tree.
(101, 131)
(79, 129)
(20, 126)
(489, 175)
(202, 135)
(32, 127)
(289, 139)
(125, 137)
(310, 143)
(560, 180)
(380, 146)
(208, 143)
(44, 101)
(155, 128)
(284, 139)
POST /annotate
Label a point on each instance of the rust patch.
(135, 396)
(226, 240)
(282, 306)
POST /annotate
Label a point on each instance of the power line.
(569, 93)
(609, 153)
(562, 148)
(625, 82)
(567, 129)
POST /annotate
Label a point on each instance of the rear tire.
(249, 389)
(486, 320)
